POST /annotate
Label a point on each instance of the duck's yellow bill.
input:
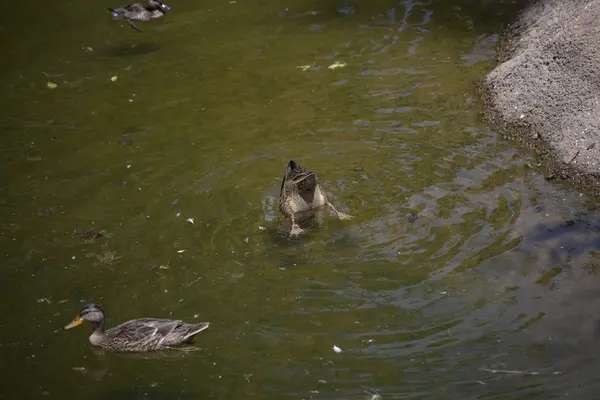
(74, 323)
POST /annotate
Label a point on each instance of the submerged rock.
(545, 93)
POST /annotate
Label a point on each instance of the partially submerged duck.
(137, 335)
(301, 192)
(153, 9)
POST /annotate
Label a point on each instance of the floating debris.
(336, 349)
(107, 257)
(507, 371)
(337, 64)
(412, 217)
(46, 211)
(373, 394)
(180, 251)
(51, 85)
(190, 220)
(87, 236)
(125, 142)
(348, 10)
(114, 78)
(155, 268)
(304, 67)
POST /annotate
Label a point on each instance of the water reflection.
(129, 49)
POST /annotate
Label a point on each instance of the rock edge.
(545, 91)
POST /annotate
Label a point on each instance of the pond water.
(172, 143)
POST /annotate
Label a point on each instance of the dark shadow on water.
(162, 355)
(574, 249)
(102, 360)
(131, 50)
(482, 12)
(575, 237)
(458, 14)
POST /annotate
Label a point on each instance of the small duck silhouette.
(153, 9)
(301, 192)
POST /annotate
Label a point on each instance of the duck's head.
(91, 312)
(163, 6)
(118, 13)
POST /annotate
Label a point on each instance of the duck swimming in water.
(137, 335)
(302, 192)
(153, 9)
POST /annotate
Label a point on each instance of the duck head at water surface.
(153, 9)
(137, 335)
(301, 192)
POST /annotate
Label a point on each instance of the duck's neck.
(97, 336)
(98, 326)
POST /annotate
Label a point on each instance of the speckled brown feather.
(300, 191)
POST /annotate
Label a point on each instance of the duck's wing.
(144, 329)
(292, 173)
(302, 176)
(162, 327)
(135, 7)
(288, 174)
(296, 173)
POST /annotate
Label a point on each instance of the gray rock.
(545, 93)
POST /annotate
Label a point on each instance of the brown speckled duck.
(153, 9)
(301, 192)
(137, 335)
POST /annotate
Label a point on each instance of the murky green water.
(493, 293)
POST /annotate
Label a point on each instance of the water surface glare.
(464, 274)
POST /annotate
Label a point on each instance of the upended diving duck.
(153, 9)
(301, 192)
(137, 335)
